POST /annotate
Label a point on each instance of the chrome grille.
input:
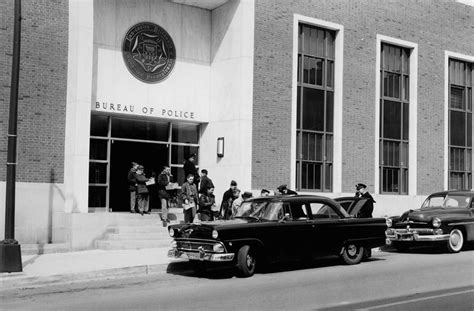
(194, 245)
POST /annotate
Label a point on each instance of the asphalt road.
(419, 280)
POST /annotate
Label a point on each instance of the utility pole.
(10, 250)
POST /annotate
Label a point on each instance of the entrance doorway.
(115, 142)
(152, 156)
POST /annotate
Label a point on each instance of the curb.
(16, 281)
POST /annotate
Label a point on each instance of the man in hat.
(264, 193)
(190, 168)
(227, 199)
(285, 191)
(132, 186)
(206, 182)
(368, 208)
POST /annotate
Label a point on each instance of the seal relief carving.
(148, 52)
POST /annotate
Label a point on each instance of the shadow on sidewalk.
(226, 271)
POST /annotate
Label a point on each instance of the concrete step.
(131, 244)
(138, 236)
(46, 248)
(136, 229)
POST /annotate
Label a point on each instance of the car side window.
(298, 211)
(345, 205)
(320, 210)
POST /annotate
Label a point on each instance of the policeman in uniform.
(368, 208)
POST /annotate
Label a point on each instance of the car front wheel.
(456, 241)
(352, 254)
(246, 261)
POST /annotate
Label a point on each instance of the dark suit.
(368, 208)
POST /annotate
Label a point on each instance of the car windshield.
(261, 210)
(450, 201)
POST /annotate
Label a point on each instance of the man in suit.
(368, 208)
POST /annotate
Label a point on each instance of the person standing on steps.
(190, 168)
(142, 190)
(132, 187)
(189, 196)
(163, 180)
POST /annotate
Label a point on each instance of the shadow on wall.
(53, 189)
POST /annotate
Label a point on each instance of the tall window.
(460, 124)
(315, 108)
(394, 105)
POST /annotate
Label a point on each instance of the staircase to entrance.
(134, 231)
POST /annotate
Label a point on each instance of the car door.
(296, 229)
(327, 227)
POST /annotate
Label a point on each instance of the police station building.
(319, 95)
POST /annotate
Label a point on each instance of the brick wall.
(434, 25)
(42, 88)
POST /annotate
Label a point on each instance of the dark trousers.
(189, 215)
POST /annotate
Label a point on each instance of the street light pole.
(10, 251)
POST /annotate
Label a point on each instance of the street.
(418, 280)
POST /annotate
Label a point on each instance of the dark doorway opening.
(123, 153)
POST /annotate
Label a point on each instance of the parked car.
(444, 217)
(278, 228)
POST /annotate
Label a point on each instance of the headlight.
(388, 222)
(171, 232)
(436, 222)
(215, 234)
(218, 248)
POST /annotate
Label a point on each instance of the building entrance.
(116, 142)
(151, 156)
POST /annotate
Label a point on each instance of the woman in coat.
(189, 196)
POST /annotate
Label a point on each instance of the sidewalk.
(49, 269)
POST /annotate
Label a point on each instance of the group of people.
(197, 194)
(140, 193)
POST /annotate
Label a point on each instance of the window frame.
(335, 180)
(402, 168)
(466, 149)
(412, 119)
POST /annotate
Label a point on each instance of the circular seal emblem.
(148, 52)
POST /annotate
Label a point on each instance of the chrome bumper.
(200, 255)
(418, 235)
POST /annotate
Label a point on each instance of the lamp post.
(10, 251)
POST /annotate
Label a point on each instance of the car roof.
(348, 198)
(443, 193)
(292, 198)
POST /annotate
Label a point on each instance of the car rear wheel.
(456, 241)
(352, 254)
(246, 261)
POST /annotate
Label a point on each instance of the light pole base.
(10, 256)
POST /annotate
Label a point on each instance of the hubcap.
(250, 261)
(351, 250)
(455, 239)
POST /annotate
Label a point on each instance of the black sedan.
(278, 228)
(444, 218)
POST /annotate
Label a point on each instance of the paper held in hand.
(150, 182)
(172, 186)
